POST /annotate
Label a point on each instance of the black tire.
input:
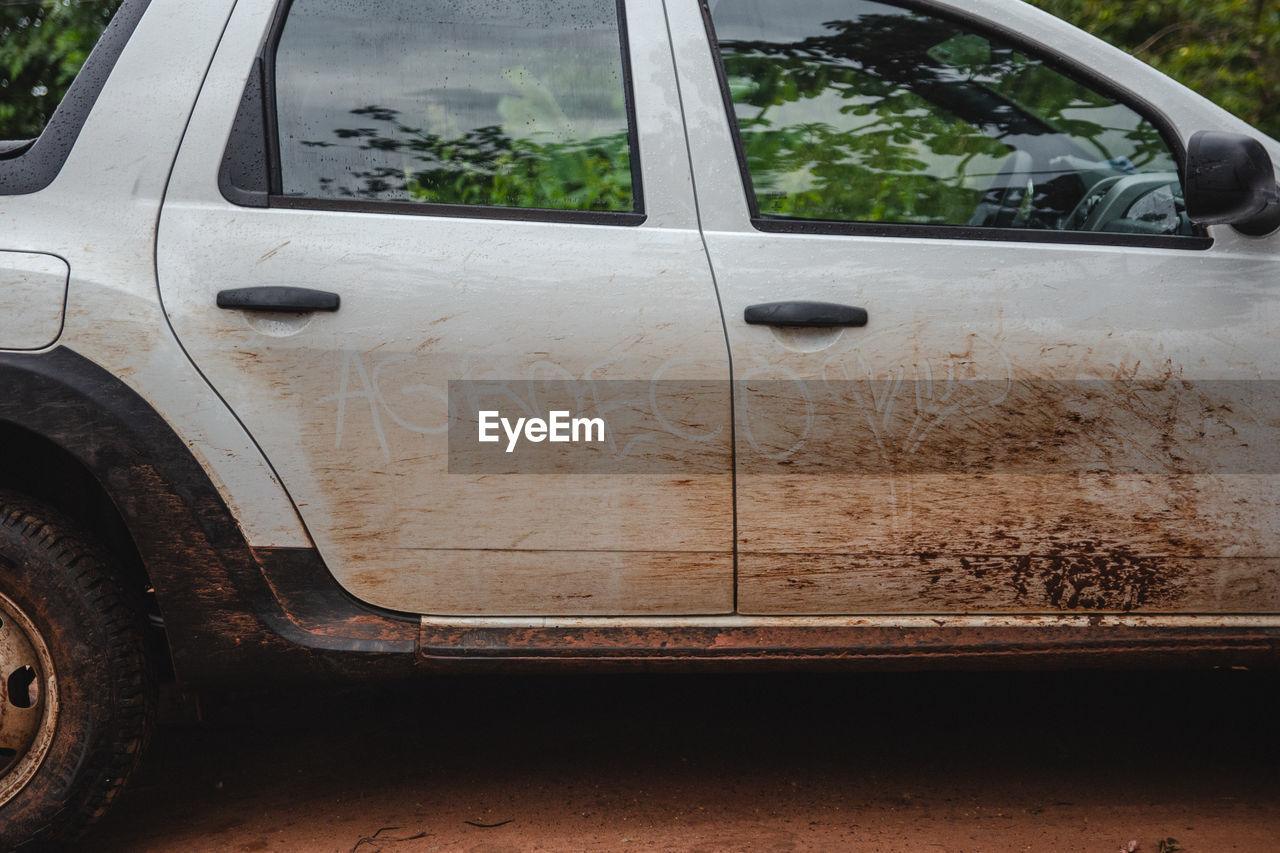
(95, 719)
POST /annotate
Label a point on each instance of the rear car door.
(1051, 392)
(496, 194)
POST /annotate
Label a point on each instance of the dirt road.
(920, 762)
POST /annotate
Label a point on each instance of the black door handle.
(801, 313)
(296, 299)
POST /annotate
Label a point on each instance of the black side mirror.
(1230, 180)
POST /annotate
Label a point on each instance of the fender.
(232, 613)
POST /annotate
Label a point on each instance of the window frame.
(256, 132)
(1038, 50)
(37, 165)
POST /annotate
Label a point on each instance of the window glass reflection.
(478, 102)
(860, 111)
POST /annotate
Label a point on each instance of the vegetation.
(1227, 50)
(483, 166)
(43, 43)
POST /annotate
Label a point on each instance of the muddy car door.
(984, 361)
(378, 203)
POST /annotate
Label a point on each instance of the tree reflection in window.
(483, 166)
(887, 115)
(473, 102)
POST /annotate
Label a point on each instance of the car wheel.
(75, 690)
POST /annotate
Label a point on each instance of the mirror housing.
(1230, 181)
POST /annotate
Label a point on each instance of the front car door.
(491, 200)
(1063, 398)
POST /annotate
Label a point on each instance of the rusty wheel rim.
(28, 699)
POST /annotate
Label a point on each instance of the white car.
(355, 338)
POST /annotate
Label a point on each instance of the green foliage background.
(43, 43)
(1227, 50)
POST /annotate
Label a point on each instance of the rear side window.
(489, 103)
(857, 111)
(43, 44)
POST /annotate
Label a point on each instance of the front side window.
(464, 102)
(858, 111)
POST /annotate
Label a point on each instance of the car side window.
(859, 111)
(490, 103)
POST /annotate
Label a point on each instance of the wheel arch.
(39, 468)
(84, 442)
